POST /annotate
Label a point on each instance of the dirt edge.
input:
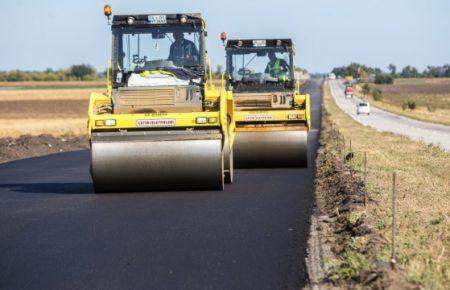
(27, 146)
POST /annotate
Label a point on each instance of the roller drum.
(270, 149)
(163, 161)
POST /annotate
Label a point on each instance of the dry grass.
(35, 112)
(424, 196)
(55, 127)
(432, 97)
(31, 95)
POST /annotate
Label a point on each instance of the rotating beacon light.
(107, 11)
(223, 37)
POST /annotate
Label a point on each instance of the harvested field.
(46, 95)
(40, 109)
(431, 96)
(36, 112)
(56, 127)
(423, 190)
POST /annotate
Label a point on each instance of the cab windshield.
(260, 68)
(162, 47)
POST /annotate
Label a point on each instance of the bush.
(82, 71)
(411, 104)
(431, 108)
(366, 89)
(384, 79)
(377, 94)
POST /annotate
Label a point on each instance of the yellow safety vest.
(276, 71)
(157, 72)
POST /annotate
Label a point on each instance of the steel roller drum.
(149, 161)
(270, 149)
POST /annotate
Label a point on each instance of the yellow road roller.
(161, 124)
(272, 116)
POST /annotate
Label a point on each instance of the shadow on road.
(58, 188)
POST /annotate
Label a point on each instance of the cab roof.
(158, 19)
(259, 43)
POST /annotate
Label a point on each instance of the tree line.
(79, 72)
(364, 72)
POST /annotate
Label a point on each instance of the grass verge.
(423, 205)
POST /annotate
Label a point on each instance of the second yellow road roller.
(161, 124)
(272, 116)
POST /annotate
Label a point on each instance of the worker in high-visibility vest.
(278, 68)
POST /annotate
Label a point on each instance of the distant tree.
(82, 71)
(384, 78)
(447, 70)
(356, 70)
(393, 69)
(410, 72)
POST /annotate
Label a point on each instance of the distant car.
(363, 108)
(348, 92)
(331, 76)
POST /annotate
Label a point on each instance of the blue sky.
(56, 34)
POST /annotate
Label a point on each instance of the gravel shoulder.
(388, 122)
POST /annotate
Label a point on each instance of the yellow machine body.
(153, 148)
(272, 122)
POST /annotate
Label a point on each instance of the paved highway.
(388, 122)
(55, 233)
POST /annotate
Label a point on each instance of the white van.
(363, 108)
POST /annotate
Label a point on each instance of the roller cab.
(272, 116)
(162, 124)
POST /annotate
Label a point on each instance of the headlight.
(292, 116)
(201, 120)
(130, 20)
(110, 122)
(183, 19)
(212, 120)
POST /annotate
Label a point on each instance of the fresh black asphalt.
(55, 233)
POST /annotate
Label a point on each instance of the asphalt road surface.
(55, 233)
(388, 122)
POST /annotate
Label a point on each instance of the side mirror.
(206, 33)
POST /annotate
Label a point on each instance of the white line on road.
(388, 122)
